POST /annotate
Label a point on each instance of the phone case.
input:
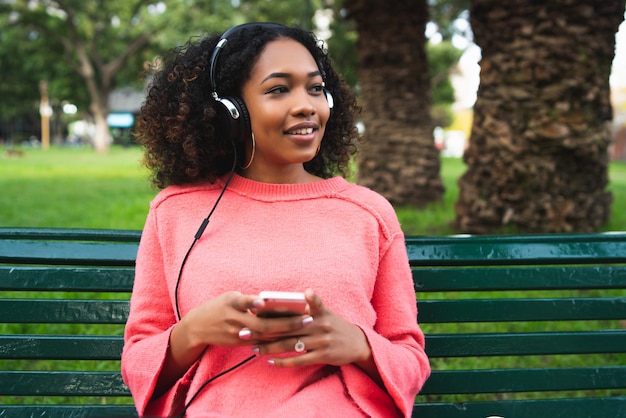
(279, 304)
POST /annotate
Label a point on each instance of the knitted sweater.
(342, 240)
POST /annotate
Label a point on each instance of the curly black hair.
(179, 125)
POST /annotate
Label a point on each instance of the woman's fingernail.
(255, 350)
(245, 333)
(271, 362)
(257, 303)
(308, 320)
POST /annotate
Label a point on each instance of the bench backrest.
(509, 321)
(512, 319)
(56, 286)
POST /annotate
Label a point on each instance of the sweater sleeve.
(396, 341)
(146, 336)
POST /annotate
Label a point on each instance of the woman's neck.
(287, 176)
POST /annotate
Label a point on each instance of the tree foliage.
(87, 49)
(27, 58)
(95, 46)
(445, 13)
(442, 63)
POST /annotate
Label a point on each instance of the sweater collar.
(282, 192)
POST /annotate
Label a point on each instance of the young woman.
(246, 135)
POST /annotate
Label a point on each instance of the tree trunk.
(399, 158)
(88, 62)
(99, 91)
(102, 138)
(537, 159)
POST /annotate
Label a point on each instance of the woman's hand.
(224, 321)
(227, 321)
(328, 339)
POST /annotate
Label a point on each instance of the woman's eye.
(277, 90)
(318, 88)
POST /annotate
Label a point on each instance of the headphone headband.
(224, 39)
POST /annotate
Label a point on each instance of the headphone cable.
(203, 226)
(197, 236)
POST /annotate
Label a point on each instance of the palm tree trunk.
(537, 159)
(399, 158)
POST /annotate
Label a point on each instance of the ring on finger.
(299, 346)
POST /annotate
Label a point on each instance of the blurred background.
(549, 102)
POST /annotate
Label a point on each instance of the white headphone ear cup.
(329, 99)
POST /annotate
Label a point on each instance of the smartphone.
(278, 304)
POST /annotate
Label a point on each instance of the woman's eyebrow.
(288, 75)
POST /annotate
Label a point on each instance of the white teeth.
(301, 131)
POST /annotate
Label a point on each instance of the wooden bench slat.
(438, 279)
(75, 279)
(506, 310)
(66, 383)
(67, 253)
(521, 344)
(438, 345)
(522, 249)
(71, 234)
(68, 411)
(524, 380)
(50, 311)
(553, 408)
(67, 347)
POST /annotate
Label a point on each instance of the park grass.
(74, 188)
(77, 188)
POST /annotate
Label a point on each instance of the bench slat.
(438, 345)
(506, 310)
(524, 380)
(68, 411)
(69, 347)
(521, 344)
(67, 253)
(71, 234)
(50, 311)
(598, 248)
(68, 383)
(75, 279)
(437, 279)
(553, 408)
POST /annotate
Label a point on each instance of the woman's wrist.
(185, 338)
(365, 360)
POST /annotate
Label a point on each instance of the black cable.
(197, 236)
(203, 226)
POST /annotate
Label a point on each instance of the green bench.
(517, 326)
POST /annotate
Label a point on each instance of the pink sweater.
(342, 240)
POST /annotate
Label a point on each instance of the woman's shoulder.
(374, 204)
(182, 193)
(366, 196)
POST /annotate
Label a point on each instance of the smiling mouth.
(304, 131)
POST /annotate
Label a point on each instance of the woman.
(252, 129)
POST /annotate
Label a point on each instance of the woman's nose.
(303, 104)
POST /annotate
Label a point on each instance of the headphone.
(232, 110)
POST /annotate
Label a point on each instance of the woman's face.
(288, 110)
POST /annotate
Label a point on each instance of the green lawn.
(74, 188)
(78, 188)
